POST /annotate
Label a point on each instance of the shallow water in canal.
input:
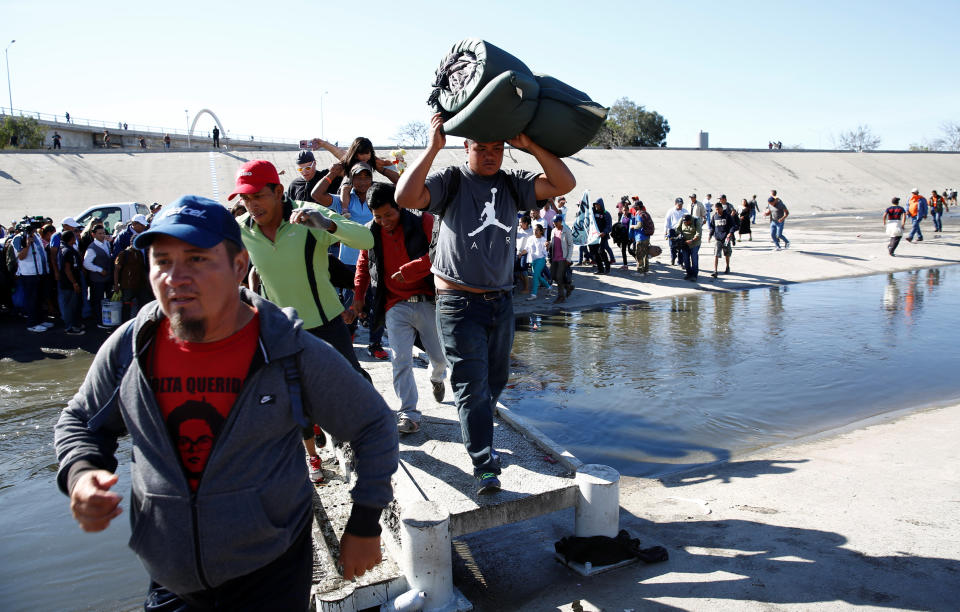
(648, 389)
(680, 382)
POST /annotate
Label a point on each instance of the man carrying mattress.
(476, 207)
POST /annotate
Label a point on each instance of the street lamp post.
(322, 134)
(186, 116)
(6, 56)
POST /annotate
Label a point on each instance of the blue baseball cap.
(199, 221)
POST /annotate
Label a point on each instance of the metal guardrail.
(138, 127)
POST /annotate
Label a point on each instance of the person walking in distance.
(473, 270)
(723, 225)
(937, 205)
(670, 224)
(893, 220)
(778, 213)
(917, 209)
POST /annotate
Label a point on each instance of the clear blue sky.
(746, 72)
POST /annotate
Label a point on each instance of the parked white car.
(112, 214)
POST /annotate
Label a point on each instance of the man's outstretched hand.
(358, 554)
(92, 502)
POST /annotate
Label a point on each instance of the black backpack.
(619, 233)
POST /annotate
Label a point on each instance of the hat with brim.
(361, 167)
(70, 222)
(254, 176)
(199, 221)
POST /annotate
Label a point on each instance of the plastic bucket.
(112, 313)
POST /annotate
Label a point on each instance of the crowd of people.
(684, 229)
(66, 274)
(209, 377)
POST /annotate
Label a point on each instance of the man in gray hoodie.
(209, 383)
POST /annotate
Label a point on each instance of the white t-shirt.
(673, 218)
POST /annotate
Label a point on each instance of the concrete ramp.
(537, 479)
(810, 182)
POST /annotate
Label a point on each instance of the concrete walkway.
(864, 518)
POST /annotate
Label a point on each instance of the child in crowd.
(536, 251)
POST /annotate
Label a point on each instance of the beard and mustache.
(188, 330)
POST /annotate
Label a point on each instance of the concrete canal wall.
(810, 182)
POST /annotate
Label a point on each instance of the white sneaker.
(37, 329)
(47, 324)
(316, 469)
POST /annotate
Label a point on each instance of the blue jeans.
(915, 232)
(31, 298)
(776, 232)
(690, 259)
(69, 301)
(281, 584)
(477, 337)
(605, 245)
(937, 220)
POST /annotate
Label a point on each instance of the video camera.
(30, 224)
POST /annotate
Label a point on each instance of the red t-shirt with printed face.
(196, 385)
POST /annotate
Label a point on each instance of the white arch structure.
(197, 118)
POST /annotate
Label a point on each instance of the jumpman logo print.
(489, 215)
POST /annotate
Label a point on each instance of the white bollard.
(425, 556)
(598, 501)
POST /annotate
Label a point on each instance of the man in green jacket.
(287, 240)
(689, 231)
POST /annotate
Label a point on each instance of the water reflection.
(690, 380)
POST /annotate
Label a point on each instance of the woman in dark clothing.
(621, 232)
(745, 219)
(599, 251)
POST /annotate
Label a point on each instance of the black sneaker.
(438, 390)
(489, 483)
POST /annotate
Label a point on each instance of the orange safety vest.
(914, 205)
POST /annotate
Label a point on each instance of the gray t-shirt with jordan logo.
(476, 242)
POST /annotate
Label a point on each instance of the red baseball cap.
(254, 176)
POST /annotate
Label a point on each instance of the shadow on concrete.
(831, 255)
(7, 176)
(726, 472)
(22, 346)
(235, 156)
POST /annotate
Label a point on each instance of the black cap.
(306, 157)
